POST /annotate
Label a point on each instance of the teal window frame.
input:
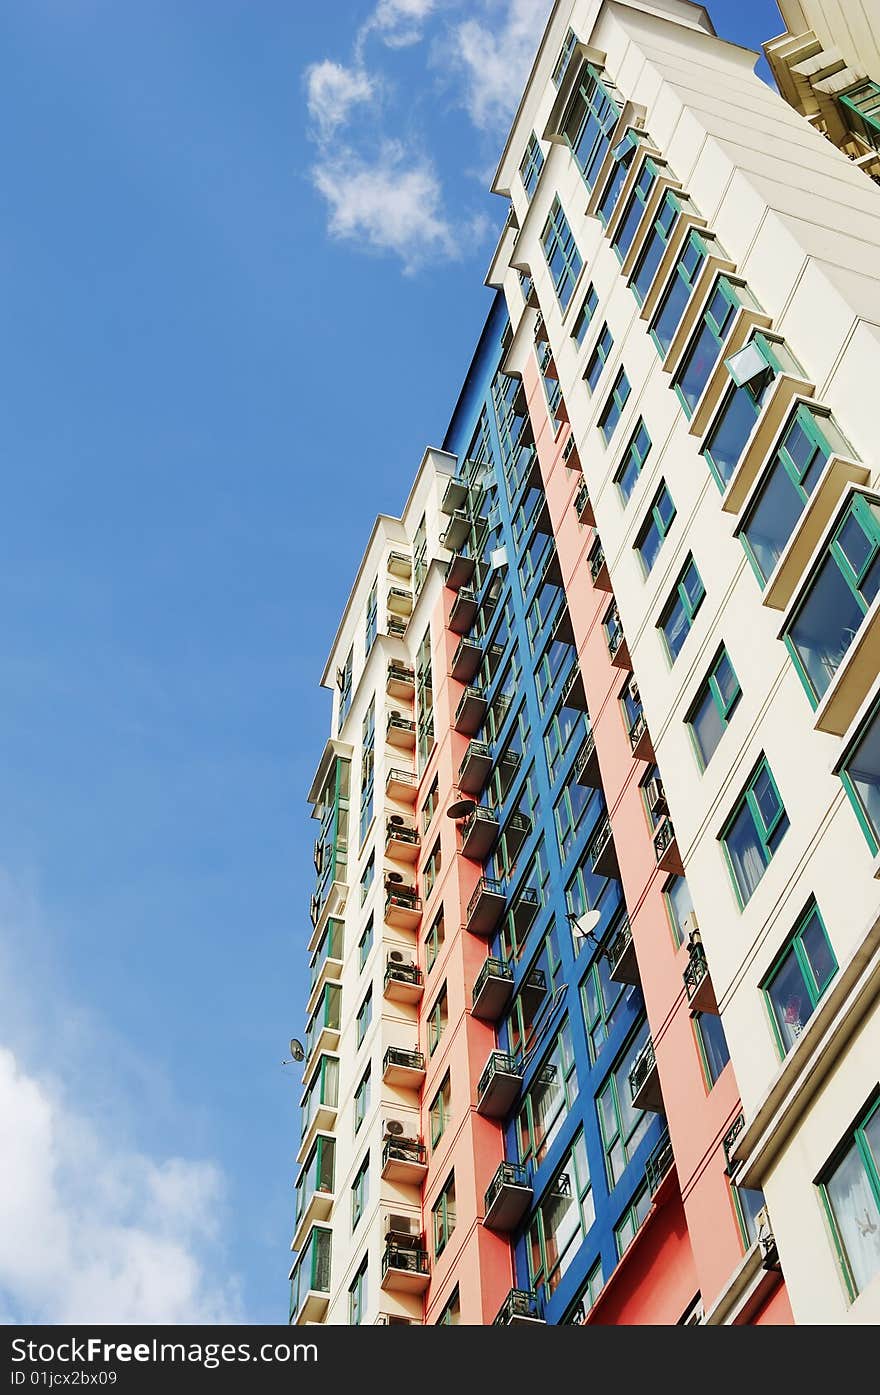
(734, 422)
(362, 1099)
(590, 118)
(809, 440)
(633, 462)
(323, 1090)
(674, 900)
(630, 221)
(796, 953)
(553, 1236)
(654, 246)
(768, 833)
(868, 734)
(724, 699)
(318, 1174)
(686, 273)
(365, 944)
(443, 1215)
(440, 1110)
(537, 1128)
(345, 689)
(614, 406)
(368, 770)
(624, 154)
(629, 1124)
(564, 261)
(714, 1053)
(598, 358)
(372, 618)
(437, 1019)
(368, 876)
(531, 165)
(560, 67)
(600, 999)
(688, 603)
(357, 1294)
(747, 1202)
(364, 1015)
(584, 317)
(632, 1220)
(660, 518)
(861, 108)
(434, 940)
(865, 513)
(725, 300)
(450, 1315)
(360, 1191)
(862, 1144)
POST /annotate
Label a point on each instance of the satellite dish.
(394, 1127)
(584, 928)
(461, 809)
(297, 1052)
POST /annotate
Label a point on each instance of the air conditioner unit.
(398, 1226)
(394, 1128)
(655, 796)
(396, 956)
(689, 924)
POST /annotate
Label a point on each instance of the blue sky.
(242, 265)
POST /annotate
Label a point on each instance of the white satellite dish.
(584, 928)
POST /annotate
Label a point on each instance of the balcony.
(479, 833)
(493, 990)
(570, 458)
(640, 739)
(470, 713)
(697, 980)
(666, 848)
(400, 601)
(617, 646)
(583, 507)
(455, 496)
(516, 831)
(459, 571)
(485, 907)
(401, 732)
(464, 611)
(402, 841)
(623, 967)
(404, 1160)
(458, 530)
(519, 1309)
(403, 982)
(586, 767)
(562, 628)
(402, 785)
(603, 854)
(405, 1270)
(403, 909)
(499, 1086)
(599, 569)
(644, 1081)
(728, 1143)
(507, 1198)
(660, 1166)
(401, 681)
(466, 660)
(400, 564)
(475, 766)
(523, 909)
(405, 1069)
(395, 626)
(573, 694)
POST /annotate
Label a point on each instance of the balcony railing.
(499, 1063)
(405, 724)
(401, 833)
(396, 626)
(401, 777)
(399, 1056)
(597, 562)
(659, 1163)
(486, 886)
(521, 1304)
(401, 673)
(508, 1174)
(404, 1261)
(696, 971)
(403, 973)
(620, 955)
(644, 1064)
(405, 1150)
(728, 1143)
(492, 969)
(637, 730)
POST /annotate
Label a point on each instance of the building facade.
(593, 1032)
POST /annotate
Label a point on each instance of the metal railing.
(638, 728)
(601, 841)
(597, 562)
(408, 1150)
(474, 748)
(619, 944)
(399, 1056)
(486, 886)
(492, 969)
(499, 1063)
(470, 694)
(403, 973)
(729, 1140)
(403, 777)
(696, 971)
(508, 1174)
(401, 833)
(582, 498)
(400, 557)
(659, 1162)
(404, 900)
(585, 754)
(643, 1065)
(664, 837)
(519, 1303)
(401, 671)
(404, 1261)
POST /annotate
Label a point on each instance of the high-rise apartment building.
(593, 1033)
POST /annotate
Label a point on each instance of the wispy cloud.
(399, 23)
(332, 90)
(493, 56)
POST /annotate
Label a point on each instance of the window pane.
(790, 1000)
(728, 441)
(858, 1217)
(746, 853)
(724, 676)
(708, 727)
(819, 954)
(676, 629)
(772, 521)
(714, 1044)
(825, 626)
(766, 797)
(864, 772)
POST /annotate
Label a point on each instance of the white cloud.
(93, 1232)
(392, 203)
(495, 56)
(399, 23)
(332, 90)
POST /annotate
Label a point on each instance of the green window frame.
(531, 165)
(631, 1221)
(344, 683)
(318, 1174)
(362, 1099)
(624, 153)
(443, 1215)
(654, 529)
(799, 978)
(709, 714)
(679, 904)
(590, 118)
(705, 345)
(636, 204)
(434, 940)
(633, 463)
(859, 771)
(560, 68)
(655, 244)
(741, 406)
(357, 1295)
(584, 316)
(622, 1127)
(431, 869)
(561, 1221)
(564, 261)
(450, 1315)
(680, 611)
(712, 1045)
(861, 111)
(438, 1019)
(753, 831)
(614, 405)
(365, 944)
(364, 1015)
(600, 999)
(372, 618)
(674, 301)
(842, 588)
(549, 1099)
(598, 358)
(429, 808)
(808, 442)
(440, 1110)
(323, 1090)
(850, 1190)
(368, 769)
(748, 1202)
(367, 877)
(360, 1191)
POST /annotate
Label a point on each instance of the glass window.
(440, 1110)
(749, 1201)
(434, 941)
(624, 153)
(584, 316)
(754, 831)
(372, 621)
(614, 406)
(362, 1100)
(343, 682)
(799, 978)
(532, 164)
(713, 707)
(365, 944)
(860, 773)
(742, 405)
(561, 1221)
(443, 1215)
(651, 254)
(451, 1314)
(705, 347)
(680, 610)
(623, 1126)
(675, 298)
(429, 808)
(365, 1015)
(360, 1191)
(713, 1044)
(851, 1189)
(860, 107)
(633, 461)
(631, 1221)
(598, 358)
(563, 258)
(655, 527)
(590, 119)
(548, 1100)
(562, 62)
(600, 997)
(367, 877)
(635, 208)
(357, 1296)
(678, 905)
(839, 595)
(438, 1019)
(431, 868)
